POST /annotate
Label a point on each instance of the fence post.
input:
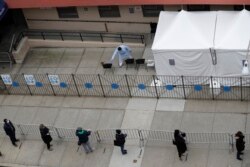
(21, 130)
(73, 76)
(27, 85)
(101, 37)
(231, 142)
(155, 87)
(211, 81)
(5, 87)
(43, 35)
(81, 36)
(97, 135)
(141, 144)
(241, 93)
(142, 38)
(126, 77)
(51, 85)
(101, 85)
(121, 38)
(61, 36)
(183, 87)
(58, 134)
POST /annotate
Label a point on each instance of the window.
(198, 7)
(151, 10)
(68, 12)
(131, 10)
(109, 11)
(241, 7)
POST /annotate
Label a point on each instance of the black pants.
(123, 150)
(48, 145)
(13, 138)
(238, 154)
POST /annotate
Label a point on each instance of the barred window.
(198, 7)
(109, 11)
(241, 7)
(68, 12)
(152, 10)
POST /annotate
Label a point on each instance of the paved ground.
(136, 113)
(105, 113)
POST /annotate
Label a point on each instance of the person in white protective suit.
(124, 52)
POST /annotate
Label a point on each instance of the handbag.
(116, 143)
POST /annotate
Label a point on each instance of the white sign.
(54, 79)
(6, 79)
(30, 79)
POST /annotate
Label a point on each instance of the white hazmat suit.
(124, 52)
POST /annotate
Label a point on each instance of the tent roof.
(184, 30)
(232, 30)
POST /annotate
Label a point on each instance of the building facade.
(130, 17)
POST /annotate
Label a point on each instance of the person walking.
(120, 139)
(45, 135)
(83, 136)
(10, 131)
(240, 144)
(180, 142)
(123, 52)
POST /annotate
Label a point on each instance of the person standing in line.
(45, 135)
(240, 144)
(124, 52)
(10, 131)
(121, 139)
(83, 136)
(180, 142)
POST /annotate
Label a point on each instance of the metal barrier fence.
(142, 136)
(78, 36)
(183, 87)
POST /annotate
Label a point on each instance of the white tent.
(231, 41)
(201, 43)
(185, 38)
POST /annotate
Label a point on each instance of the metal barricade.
(108, 135)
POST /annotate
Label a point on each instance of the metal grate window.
(152, 10)
(241, 7)
(198, 7)
(109, 11)
(68, 12)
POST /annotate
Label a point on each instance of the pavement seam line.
(209, 145)
(82, 54)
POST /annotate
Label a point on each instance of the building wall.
(89, 19)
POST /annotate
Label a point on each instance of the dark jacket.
(45, 135)
(120, 138)
(240, 144)
(180, 143)
(9, 128)
(83, 136)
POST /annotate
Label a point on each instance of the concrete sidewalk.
(105, 113)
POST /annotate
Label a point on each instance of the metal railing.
(6, 57)
(78, 36)
(141, 136)
(180, 87)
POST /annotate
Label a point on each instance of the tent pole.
(248, 50)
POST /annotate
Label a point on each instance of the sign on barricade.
(30, 79)
(54, 79)
(6, 79)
